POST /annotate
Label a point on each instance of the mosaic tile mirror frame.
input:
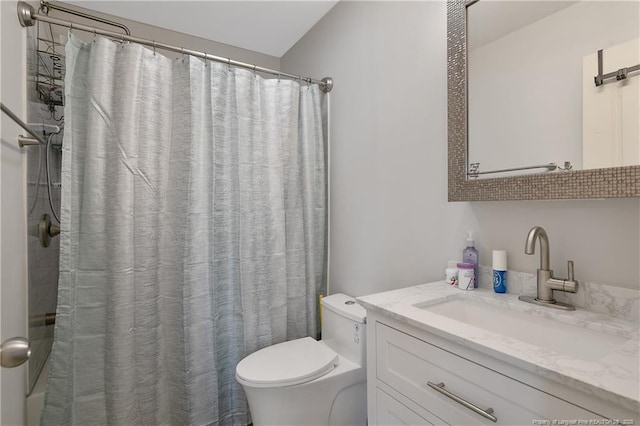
(615, 182)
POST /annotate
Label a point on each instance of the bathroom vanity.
(438, 355)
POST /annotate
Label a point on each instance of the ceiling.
(269, 27)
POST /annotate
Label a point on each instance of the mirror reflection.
(536, 95)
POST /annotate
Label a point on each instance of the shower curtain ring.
(94, 34)
(229, 63)
(122, 37)
(71, 27)
(154, 48)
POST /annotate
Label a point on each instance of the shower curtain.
(193, 233)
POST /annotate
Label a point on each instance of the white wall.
(391, 225)
(13, 290)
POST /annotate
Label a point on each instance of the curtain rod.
(27, 17)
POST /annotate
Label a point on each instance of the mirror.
(532, 95)
(531, 99)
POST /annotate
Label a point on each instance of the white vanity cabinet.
(415, 377)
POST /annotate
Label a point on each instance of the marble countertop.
(614, 376)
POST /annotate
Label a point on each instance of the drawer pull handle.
(484, 413)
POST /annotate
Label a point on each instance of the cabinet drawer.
(390, 412)
(407, 364)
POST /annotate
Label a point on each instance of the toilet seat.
(287, 364)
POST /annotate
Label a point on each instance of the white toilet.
(308, 382)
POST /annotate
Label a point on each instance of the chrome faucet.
(546, 282)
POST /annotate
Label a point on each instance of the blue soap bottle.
(470, 255)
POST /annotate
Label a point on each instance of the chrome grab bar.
(484, 413)
(23, 125)
(25, 141)
(474, 172)
(47, 5)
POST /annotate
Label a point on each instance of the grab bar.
(474, 168)
(22, 141)
(48, 5)
(25, 141)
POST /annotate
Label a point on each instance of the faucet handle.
(570, 270)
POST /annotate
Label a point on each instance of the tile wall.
(43, 108)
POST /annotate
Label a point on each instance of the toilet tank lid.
(287, 364)
(346, 306)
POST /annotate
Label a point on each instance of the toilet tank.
(343, 327)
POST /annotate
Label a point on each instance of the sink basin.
(527, 327)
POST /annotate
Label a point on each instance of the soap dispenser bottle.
(500, 271)
(470, 255)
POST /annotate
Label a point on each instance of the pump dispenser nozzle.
(470, 241)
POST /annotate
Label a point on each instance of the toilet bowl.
(309, 382)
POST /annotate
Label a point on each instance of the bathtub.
(35, 401)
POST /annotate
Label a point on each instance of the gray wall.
(391, 225)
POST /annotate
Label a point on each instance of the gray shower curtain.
(193, 233)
